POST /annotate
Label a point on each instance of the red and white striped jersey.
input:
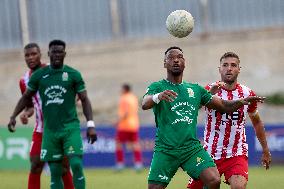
(224, 134)
(36, 101)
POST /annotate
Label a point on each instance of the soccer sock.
(34, 181)
(56, 174)
(77, 169)
(137, 156)
(119, 156)
(67, 180)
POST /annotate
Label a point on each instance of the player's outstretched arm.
(22, 103)
(228, 106)
(260, 133)
(88, 112)
(215, 88)
(150, 100)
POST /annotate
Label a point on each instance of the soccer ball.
(180, 23)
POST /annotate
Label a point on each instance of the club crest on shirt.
(71, 150)
(64, 76)
(190, 92)
(199, 160)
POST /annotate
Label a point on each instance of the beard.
(176, 72)
(229, 80)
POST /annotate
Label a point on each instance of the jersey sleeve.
(207, 87)
(22, 85)
(153, 89)
(34, 81)
(206, 96)
(253, 106)
(79, 82)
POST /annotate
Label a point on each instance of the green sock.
(77, 169)
(56, 174)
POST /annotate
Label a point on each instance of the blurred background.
(116, 41)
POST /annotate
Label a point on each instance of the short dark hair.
(173, 47)
(31, 45)
(126, 87)
(57, 42)
(230, 54)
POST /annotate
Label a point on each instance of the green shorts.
(165, 164)
(55, 145)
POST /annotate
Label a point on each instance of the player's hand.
(24, 117)
(248, 100)
(266, 159)
(12, 124)
(168, 95)
(91, 135)
(215, 88)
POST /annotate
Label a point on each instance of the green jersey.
(57, 89)
(176, 121)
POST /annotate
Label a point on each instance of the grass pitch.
(129, 179)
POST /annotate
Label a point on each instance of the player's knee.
(65, 170)
(238, 186)
(36, 167)
(76, 164)
(156, 186)
(55, 169)
(237, 182)
(214, 182)
(118, 146)
(65, 166)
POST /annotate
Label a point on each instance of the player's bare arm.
(260, 133)
(28, 112)
(22, 103)
(150, 100)
(228, 106)
(88, 112)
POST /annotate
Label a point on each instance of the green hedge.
(275, 99)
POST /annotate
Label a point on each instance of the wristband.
(155, 98)
(91, 123)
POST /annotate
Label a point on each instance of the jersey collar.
(56, 70)
(176, 84)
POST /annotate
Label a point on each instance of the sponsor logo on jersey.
(81, 178)
(184, 111)
(64, 76)
(54, 94)
(162, 177)
(45, 76)
(57, 156)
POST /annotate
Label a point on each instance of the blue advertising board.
(14, 148)
(102, 153)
